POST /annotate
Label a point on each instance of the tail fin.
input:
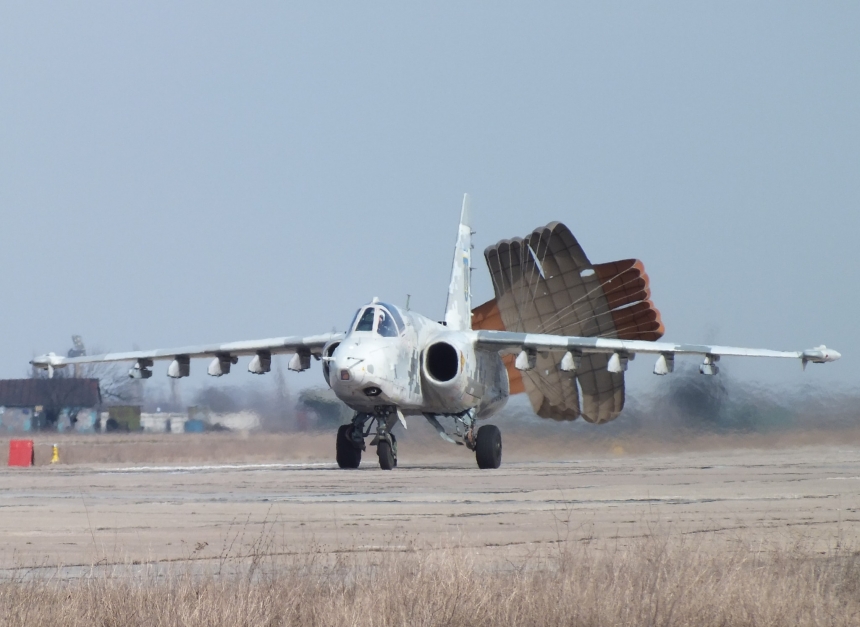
(458, 310)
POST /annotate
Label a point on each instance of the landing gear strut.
(350, 438)
(486, 442)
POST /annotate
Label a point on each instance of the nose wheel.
(350, 440)
(347, 449)
(387, 452)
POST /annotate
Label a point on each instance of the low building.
(163, 422)
(197, 421)
(122, 418)
(60, 404)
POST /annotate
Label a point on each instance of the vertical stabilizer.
(458, 310)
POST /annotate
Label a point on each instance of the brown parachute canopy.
(546, 284)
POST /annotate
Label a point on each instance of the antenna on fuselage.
(408, 296)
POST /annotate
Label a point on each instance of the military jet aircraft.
(560, 329)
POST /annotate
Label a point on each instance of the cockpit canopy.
(382, 318)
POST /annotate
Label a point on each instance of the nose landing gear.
(387, 452)
(350, 439)
(486, 441)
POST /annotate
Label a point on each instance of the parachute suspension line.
(496, 287)
(537, 264)
(520, 296)
(556, 319)
(618, 331)
(560, 315)
(598, 315)
(547, 386)
(611, 334)
(525, 288)
(559, 324)
(563, 313)
(582, 321)
(513, 294)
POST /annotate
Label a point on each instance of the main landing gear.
(488, 447)
(350, 439)
(487, 442)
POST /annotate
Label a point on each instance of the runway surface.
(77, 515)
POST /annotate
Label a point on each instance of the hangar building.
(61, 404)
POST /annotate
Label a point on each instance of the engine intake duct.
(441, 361)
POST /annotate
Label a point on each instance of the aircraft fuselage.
(391, 357)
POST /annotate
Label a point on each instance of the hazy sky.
(184, 173)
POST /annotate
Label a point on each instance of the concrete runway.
(77, 515)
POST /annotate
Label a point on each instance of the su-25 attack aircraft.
(560, 329)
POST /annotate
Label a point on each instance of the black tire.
(394, 447)
(386, 455)
(488, 447)
(347, 455)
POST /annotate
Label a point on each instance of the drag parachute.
(546, 284)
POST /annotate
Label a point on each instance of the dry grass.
(660, 580)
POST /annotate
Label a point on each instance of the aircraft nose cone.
(348, 372)
(834, 355)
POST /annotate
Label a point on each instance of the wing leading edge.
(550, 297)
(540, 353)
(624, 350)
(224, 355)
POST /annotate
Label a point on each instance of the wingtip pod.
(48, 362)
(45, 361)
(819, 355)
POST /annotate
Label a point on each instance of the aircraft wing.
(623, 350)
(223, 355)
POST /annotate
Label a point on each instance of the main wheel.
(348, 456)
(488, 447)
(387, 461)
